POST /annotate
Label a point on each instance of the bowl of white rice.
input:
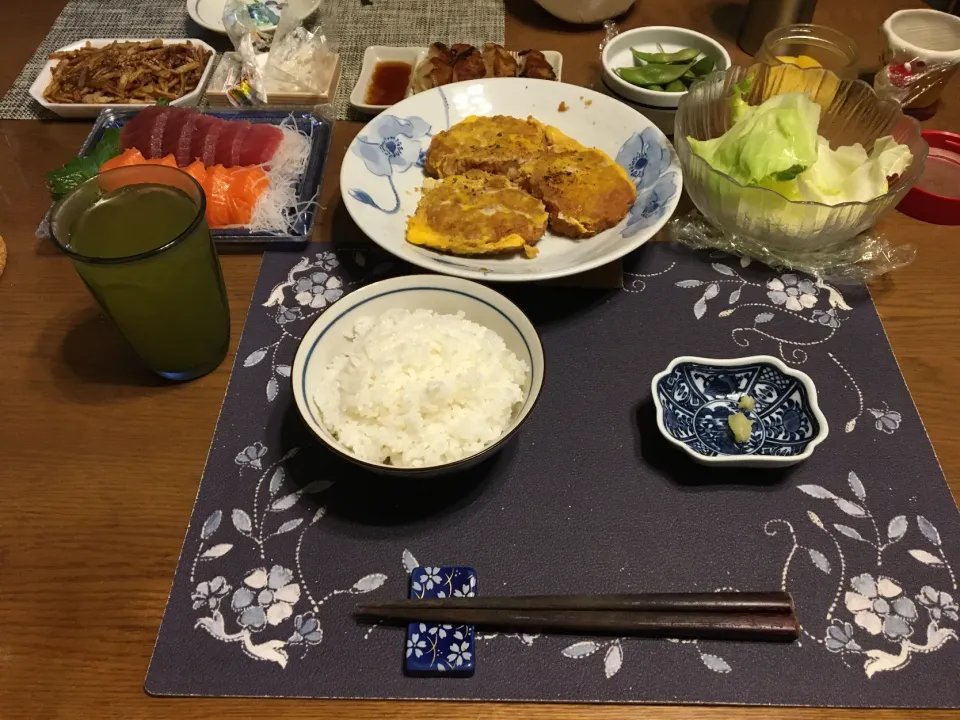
(418, 375)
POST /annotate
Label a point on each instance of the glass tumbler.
(138, 238)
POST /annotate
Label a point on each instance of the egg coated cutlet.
(477, 213)
(498, 145)
(584, 191)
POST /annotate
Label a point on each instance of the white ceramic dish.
(208, 14)
(660, 107)
(585, 12)
(81, 110)
(325, 340)
(694, 396)
(381, 176)
(413, 55)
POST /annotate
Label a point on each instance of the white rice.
(419, 389)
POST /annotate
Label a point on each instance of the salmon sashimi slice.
(218, 192)
(131, 156)
(198, 171)
(232, 194)
(246, 187)
(168, 160)
(177, 118)
(230, 141)
(260, 144)
(134, 157)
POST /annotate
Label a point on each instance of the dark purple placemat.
(587, 498)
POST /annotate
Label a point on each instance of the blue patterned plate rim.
(381, 175)
(380, 289)
(799, 375)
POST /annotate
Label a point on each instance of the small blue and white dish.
(695, 397)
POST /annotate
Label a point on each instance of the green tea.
(170, 304)
(104, 229)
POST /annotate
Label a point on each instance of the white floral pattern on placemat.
(872, 615)
(310, 287)
(782, 297)
(260, 603)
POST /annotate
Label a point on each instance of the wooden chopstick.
(730, 602)
(756, 626)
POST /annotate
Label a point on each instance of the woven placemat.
(402, 22)
(357, 26)
(95, 19)
(588, 498)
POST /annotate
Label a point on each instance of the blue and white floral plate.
(382, 173)
(695, 397)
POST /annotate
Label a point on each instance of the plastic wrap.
(912, 82)
(610, 31)
(860, 259)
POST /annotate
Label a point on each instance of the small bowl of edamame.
(652, 67)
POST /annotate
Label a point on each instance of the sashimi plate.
(382, 174)
(301, 225)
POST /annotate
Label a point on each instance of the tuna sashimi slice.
(205, 136)
(230, 142)
(260, 145)
(185, 141)
(144, 131)
(177, 118)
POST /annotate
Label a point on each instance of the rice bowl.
(418, 375)
(418, 388)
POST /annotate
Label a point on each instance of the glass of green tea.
(138, 238)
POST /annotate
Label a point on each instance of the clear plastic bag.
(250, 25)
(859, 260)
(301, 57)
(284, 46)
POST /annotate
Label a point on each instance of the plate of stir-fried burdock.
(88, 76)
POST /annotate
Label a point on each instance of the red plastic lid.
(936, 196)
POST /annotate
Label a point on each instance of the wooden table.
(99, 462)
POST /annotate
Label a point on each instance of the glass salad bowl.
(851, 112)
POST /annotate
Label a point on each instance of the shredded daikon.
(278, 209)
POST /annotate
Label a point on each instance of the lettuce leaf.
(775, 141)
(775, 146)
(848, 174)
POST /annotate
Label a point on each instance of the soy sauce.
(389, 83)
